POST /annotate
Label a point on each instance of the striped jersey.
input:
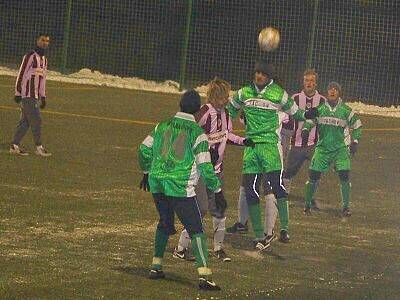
(217, 124)
(304, 102)
(31, 79)
(174, 155)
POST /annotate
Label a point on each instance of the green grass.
(77, 226)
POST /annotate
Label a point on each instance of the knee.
(344, 175)
(279, 190)
(167, 227)
(314, 175)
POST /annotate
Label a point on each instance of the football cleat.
(220, 254)
(208, 285)
(307, 211)
(41, 151)
(156, 274)
(237, 228)
(261, 245)
(183, 255)
(346, 212)
(17, 150)
(270, 238)
(284, 237)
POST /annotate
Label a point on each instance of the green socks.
(160, 244)
(283, 210)
(255, 217)
(199, 245)
(345, 190)
(311, 187)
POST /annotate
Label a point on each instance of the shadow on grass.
(144, 273)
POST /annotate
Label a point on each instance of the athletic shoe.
(17, 150)
(314, 205)
(208, 285)
(307, 211)
(220, 254)
(184, 254)
(261, 245)
(237, 228)
(270, 238)
(156, 274)
(284, 238)
(346, 212)
(41, 151)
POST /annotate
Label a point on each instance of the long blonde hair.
(218, 92)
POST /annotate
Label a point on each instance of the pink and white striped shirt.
(304, 102)
(31, 79)
(217, 124)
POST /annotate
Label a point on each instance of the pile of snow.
(87, 76)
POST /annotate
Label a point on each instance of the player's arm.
(203, 162)
(22, 70)
(290, 107)
(307, 126)
(235, 104)
(234, 139)
(146, 152)
(355, 124)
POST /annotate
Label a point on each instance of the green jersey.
(332, 125)
(174, 154)
(261, 109)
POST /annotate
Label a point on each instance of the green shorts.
(263, 158)
(323, 159)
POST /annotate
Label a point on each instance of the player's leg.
(275, 179)
(343, 166)
(243, 213)
(20, 131)
(296, 157)
(271, 212)
(165, 228)
(189, 214)
(310, 189)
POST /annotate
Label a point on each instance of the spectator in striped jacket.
(301, 149)
(30, 93)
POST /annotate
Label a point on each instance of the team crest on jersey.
(308, 105)
(219, 123)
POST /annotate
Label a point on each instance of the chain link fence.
(356, 43)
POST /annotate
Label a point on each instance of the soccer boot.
(41, 151)
(221, 255)
(307, 211)
(270, 238)
(237, 228)
(183, 255)
(208, 285)
(156, 274)
(17, 150)
(261, 244)
(346, 212)
(314, 205)
(284, 237)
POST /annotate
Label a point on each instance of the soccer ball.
(268, 39)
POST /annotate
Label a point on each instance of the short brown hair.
(311, 72)
(218, 90)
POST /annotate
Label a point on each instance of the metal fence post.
(67, 27)
(310, 49)
(185, 45)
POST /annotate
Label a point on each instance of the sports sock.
(219, 232)
(311, 187)
(160, 244)
(199, 244)
(345, 190)
(255, 217)
(184, 240)
(283, 209)
(271, 213)
(243, 210)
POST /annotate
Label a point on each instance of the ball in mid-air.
(268, 39)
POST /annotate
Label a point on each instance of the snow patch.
(89, 77)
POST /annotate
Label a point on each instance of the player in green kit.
(172, 157)
(333, 120)
(261, 101)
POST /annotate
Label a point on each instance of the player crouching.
(214, 118)
(335, 117)
(172, 157)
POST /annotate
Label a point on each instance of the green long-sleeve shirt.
(332, 125)
(174, 155)
(261, 109)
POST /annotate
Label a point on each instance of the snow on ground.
(86, 76)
